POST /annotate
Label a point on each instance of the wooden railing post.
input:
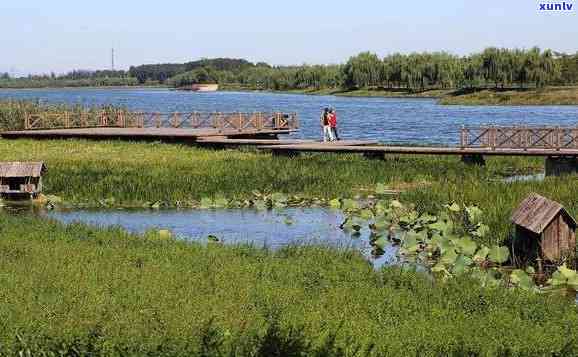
(26, 121)
(260, 121)
(493, 137)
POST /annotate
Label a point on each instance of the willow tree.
(363, 70)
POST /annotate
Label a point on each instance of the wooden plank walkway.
(139, 133)
(417, 150)
(276, 142)
(219, 140)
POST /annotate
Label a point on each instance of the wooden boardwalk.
(143, 133)
(558, 145)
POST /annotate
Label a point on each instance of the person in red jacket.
(333, 124)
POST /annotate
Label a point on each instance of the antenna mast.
(112, 59)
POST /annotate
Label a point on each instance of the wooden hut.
(21, 179)
(545, 231)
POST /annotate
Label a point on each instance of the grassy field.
(138, 174)
(79, 291)
(545, 96)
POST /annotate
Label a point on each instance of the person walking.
(327, 132)
(333, 124)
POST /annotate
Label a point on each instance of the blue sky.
(39, 36)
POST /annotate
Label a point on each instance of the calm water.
(273, 229)
(389, 120)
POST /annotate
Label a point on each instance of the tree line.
(493, 67)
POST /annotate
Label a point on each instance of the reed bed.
(12, 112)
(73, 290)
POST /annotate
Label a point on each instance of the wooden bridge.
(496, 137)
(158, 126)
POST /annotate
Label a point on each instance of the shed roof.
(22, 169)
(536, 212)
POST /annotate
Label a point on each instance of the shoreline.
(549, 96)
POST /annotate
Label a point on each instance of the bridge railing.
(519, 137)
(194, 120)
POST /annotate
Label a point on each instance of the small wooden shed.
(544, 230)
(21, 178)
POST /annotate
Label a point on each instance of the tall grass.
(12, 112)
(134, 174)
(80, 291)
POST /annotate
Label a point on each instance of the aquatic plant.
(447, 244)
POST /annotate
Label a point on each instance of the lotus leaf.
(335, 203)
(481, 254)
(566, 272)
(381, 243)
(349, 204)
(449, 257)
(462, 264)
(499, 255)
(467, 246)
(521, 279)
(557, 279)
(366, 214)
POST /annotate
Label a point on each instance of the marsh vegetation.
(75, 290)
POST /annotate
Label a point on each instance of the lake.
(388, 120)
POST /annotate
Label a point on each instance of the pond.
(272, 229)
(388, 120)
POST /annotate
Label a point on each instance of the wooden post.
(260, 121)
(240, 121)
(373, 155)
(26, 121)
(474, 159)
(561, 165)
(493, 138)
(158, 120)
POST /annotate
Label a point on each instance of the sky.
(43, 36)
